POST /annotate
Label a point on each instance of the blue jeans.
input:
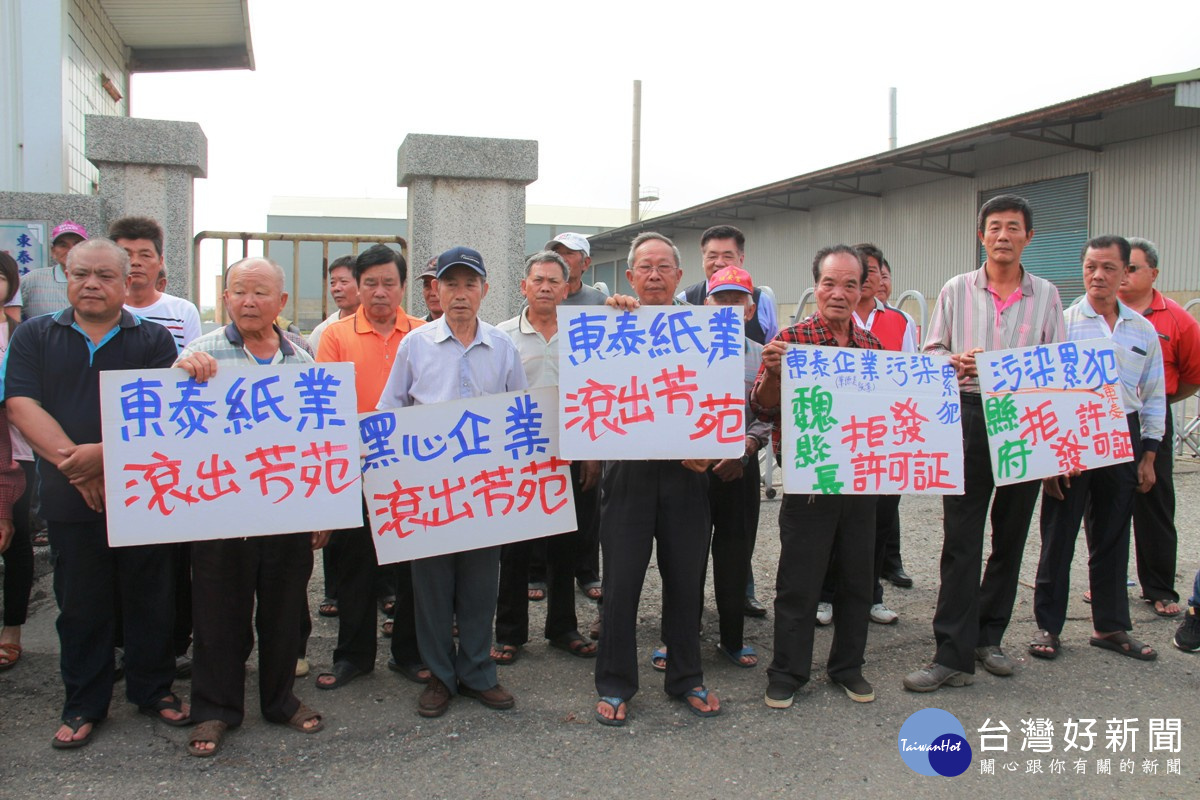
(1194, 600)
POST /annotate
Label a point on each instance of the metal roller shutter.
(1060, 230)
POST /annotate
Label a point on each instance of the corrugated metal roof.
(172, 35)
(1077, 123)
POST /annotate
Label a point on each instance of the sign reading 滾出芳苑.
(869, 422)
(465, 474)
(254, 451)
(1053, 408)
(661, 382)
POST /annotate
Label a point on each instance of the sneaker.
(1187, 638)
(434, 699)
(994, 660)
(302, 667)
(824, 615)
(856, 688)
(931, 678)
(883, 615)
(779, 695)
(496, 697)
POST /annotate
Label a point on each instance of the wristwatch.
(745, 459)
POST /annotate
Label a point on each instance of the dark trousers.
(812, 528)
(18, 558)
(587, 548)
(459, 588)
(354, 557)
(887, 515)
(87, 576)
(329, 567)
(1105, 496)
(1154, 532)
(971, 613)
(732, 543)
(230, 577)
(405, 649)
(643, 504)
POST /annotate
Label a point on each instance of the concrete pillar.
(469, 191)
(147, 167)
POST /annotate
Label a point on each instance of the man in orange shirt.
(369, 339)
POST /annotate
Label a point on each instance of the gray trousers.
(459, 588)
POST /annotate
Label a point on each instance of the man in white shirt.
(142, 239)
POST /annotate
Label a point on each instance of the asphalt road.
(375, 746)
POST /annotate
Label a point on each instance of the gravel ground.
(549, 746)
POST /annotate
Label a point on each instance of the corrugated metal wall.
(1149, 187)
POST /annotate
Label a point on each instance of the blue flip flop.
(659, 653)
(736, 657)
(700, 694)
(616, 703)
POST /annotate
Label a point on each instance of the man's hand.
(729, 469)
(964, 363)
(1053, 486)
(697, 464)
(589, 475)
(772, 356)
(93, 493)
(1145, 472)
(6, 534)
(320, 539)
(82, 463)
(201, 366)
(624, 302)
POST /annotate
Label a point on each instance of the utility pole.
(892, 118)
(636, 178)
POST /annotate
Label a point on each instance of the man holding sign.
(1105, 494)
(457, 356)
(814, 527)
(232, 577)
(998, 306)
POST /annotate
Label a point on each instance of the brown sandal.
(1049, 644)
(211, 731)
(304, 714)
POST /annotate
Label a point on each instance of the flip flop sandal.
(615, 703)
(304, 714)
(328, 607)
(388, 606)
(593, 590)
(168, 703)
(343, 672)
(1124, 644)
(659, 659)
(574, 644)
(10, 652)
(1049, 643)
(504, 654)
(700, 694)
(388, 628)
(211, 731)
(410, 671)
(737, 656)
(1154, 606)
(75, 723)
(537, 591)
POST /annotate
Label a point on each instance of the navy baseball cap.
(460, 255)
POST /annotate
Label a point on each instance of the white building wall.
(93, 48)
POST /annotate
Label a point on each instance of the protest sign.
(1053, 408)
(255, 451)
(869, 422)
(660, 382)
(465, 474)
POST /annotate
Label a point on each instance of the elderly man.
(643, 502)
(52, 390)
(142, 239)
(370, 338)
(535, 333)
(458, 356)
(44, 291)
(812, 528)
(1104, 495)
(1154, 511)
(344, 291)
(996, 307)
(429, 290)
(264, 575)
(576, 250)
(724, 246)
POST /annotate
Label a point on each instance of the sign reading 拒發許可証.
(858, 421)
(465, 474)
(661, 382)
(1053, 408)
(254, 451)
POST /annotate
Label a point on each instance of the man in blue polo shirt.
(52, 390)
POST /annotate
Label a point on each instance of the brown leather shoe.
(434, 699)
(496, 697)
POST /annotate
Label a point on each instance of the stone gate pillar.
(468, 191)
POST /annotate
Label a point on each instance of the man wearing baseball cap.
(576, 250)
(429, 290)
(456, 356)
(44, 291)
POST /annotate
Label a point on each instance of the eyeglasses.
(661, 269)
(1135, 267)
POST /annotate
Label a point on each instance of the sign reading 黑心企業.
(858, 421)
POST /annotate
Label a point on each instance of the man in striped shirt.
(1105, 494)
(142, 239)
(998, 306)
